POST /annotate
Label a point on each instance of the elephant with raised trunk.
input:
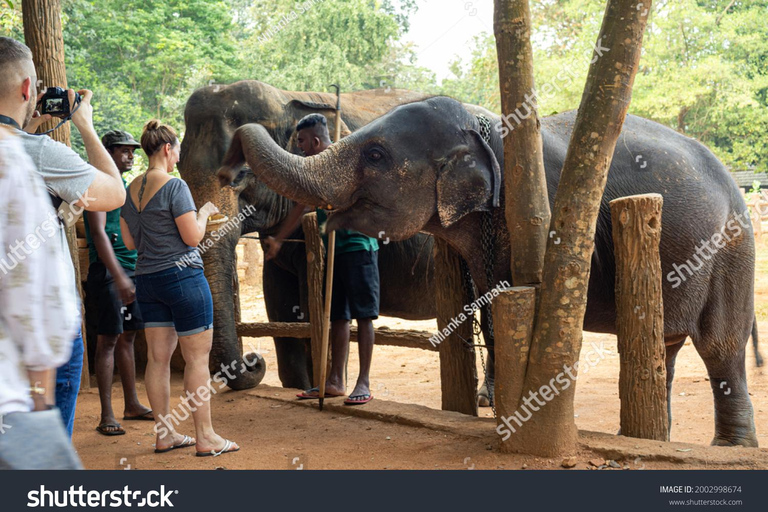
(212, 116)
(425, 166)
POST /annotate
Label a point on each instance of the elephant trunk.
(325, 180)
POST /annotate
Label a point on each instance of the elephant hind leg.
(734, 417)
(724, 357)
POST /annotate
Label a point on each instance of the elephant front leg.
(485, 394)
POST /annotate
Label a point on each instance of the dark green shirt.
(347, 240)
(126, 258)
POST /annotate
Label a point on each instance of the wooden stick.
(327, 315)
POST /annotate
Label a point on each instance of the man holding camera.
(112, 310)
(97, 186)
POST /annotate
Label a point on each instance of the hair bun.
(155, 135)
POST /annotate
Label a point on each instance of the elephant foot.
(485, 395)
(251, 371)
(749, 440)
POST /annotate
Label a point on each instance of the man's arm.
(106, 190)
(97, 221)
(289, 226)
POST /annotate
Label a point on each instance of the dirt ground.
(285, 435)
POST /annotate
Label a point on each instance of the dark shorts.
(178, 298)
(355, 286)
(105, 310)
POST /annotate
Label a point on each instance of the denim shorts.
(176, 297)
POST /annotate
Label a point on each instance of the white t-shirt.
(39, 309)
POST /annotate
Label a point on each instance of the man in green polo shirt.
(112, 308)
(355, 281)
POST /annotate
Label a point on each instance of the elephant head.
(212, 116)
(422, 163)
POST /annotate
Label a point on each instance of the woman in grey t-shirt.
(160, 220)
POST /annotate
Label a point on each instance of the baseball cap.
(118, 138)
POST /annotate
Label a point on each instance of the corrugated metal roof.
(746, 178)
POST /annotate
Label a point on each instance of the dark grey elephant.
(212, 116)
(424, 166)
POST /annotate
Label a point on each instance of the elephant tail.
(758, 357)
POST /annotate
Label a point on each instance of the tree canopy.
(704, 70)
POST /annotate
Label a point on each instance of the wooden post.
(640, 316)
(458, 373)
(43, 34)
(513, 328)
(315, 267)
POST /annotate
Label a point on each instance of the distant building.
(745, 179)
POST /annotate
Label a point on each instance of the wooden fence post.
(640, 316)
(315, 269)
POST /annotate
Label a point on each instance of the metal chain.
(485, 127)
(488, 245)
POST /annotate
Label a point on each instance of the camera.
(55, 102)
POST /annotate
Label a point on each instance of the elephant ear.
(469, 180)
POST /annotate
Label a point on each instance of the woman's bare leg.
(196, 350)
(161, 342)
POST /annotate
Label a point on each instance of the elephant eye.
(375, 155)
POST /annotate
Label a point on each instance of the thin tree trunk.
(525, 193)
(557, 339)
(527, 203)
(43, 34)
(636, 224)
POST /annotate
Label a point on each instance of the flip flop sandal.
(227, 449)
(185, 443)
(147, 416)
(307, 395)
(103, 429)
(358, 399)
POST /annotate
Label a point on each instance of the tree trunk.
(458, 373)
(315, 266)
(513, 310)
(527, 203)
(551, 430)
(43, 34)
(640, 316)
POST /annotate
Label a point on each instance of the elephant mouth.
(362, 215)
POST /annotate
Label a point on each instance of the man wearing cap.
(112, 309)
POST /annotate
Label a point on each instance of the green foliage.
(10, 20)
(703, 72)
(142, 60)
(308, 45)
